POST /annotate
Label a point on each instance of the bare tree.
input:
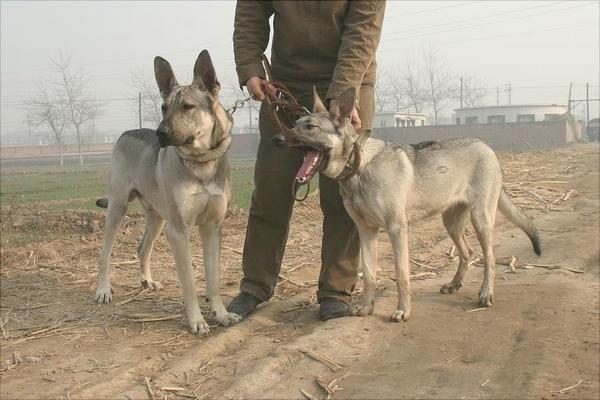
(395, 91)
(380, 90)
(473, 92)
(439, 81)
(413, 84)
(151, 100)
(46, 108)
(73, 87)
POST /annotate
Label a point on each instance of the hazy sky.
(537, 46)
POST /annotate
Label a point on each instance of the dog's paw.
(104, 294)
(228, 319)
(450, 287)
(198, 326)
(151, 285)
(400, 315)
(486, 297)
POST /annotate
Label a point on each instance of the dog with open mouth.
(384, 185)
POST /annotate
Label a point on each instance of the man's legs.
(340, 249)
(269, 215)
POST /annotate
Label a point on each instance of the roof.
(510, 106)
(400, 113)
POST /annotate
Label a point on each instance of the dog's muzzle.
(163, 138)
(279, 140)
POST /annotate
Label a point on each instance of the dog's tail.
(517, 217)
(102, 202)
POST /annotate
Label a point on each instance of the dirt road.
(539, 340)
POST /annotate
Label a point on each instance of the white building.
(509, 113)
(396, 119)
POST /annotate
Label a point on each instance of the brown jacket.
(330, 44)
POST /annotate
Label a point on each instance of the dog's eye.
(310, 126)
(188, 107)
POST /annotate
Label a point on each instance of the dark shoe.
(243, 304)
(333, 308)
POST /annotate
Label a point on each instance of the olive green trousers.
(271, 209)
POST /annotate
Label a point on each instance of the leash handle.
(296, 185)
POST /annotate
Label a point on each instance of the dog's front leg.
(211, 251)
(178, 235)
(368, 254)
(399, 237)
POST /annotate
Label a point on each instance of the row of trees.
(64, 102)
(425, 82)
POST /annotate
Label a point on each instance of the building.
(509, 113)
(396, 119)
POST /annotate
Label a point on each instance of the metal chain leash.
(239, 104)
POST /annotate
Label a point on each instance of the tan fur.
(179, 174)
(460, 179)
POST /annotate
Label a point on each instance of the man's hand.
(355, 119)
(256, 86)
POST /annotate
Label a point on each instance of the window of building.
(470, 120)
(383, 123)
(422, 122)
(495, 119)
(552, 117)
(457, 121)
(526, 118)
(397, 122)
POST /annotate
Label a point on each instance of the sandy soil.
(539, 340)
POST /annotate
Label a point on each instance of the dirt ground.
(539, 340)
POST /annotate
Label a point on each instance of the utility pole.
(461, 92)
(587, 105)
(509, 93)
(140, 108)
(569, 101)
(497, 96)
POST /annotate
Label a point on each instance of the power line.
(494, 37)
(430, 10)
(474, 18)
(484, 24)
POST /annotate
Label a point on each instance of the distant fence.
(7, 152)
(507, 136)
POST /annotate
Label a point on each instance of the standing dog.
(179, 174)
(389, 186)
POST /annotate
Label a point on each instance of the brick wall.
(509, 136)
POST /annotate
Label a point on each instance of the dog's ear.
(318, 106)
(205, 76)
(165, 78)
(341, 109)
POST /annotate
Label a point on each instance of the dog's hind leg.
(483, 222)
(455, 219)
(211, 252)
(117, 207)
(154, 224)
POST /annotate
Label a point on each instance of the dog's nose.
(279, 140)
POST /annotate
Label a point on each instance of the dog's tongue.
(309, 166)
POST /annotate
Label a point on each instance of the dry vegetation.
(48, 274)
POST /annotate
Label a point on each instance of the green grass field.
(52, 188)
